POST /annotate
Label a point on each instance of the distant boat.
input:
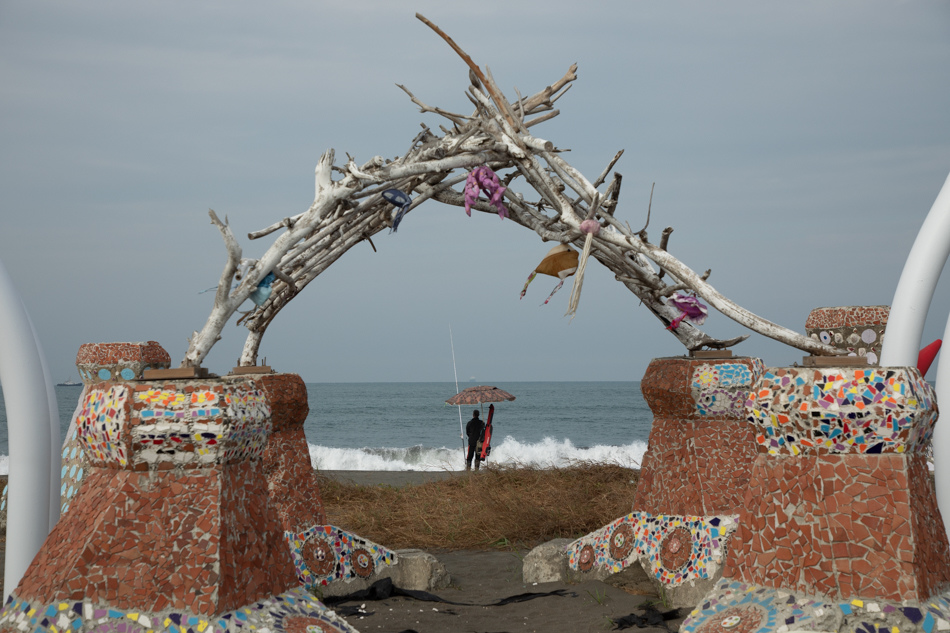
(69, 383)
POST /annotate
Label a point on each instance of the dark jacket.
(474, 430)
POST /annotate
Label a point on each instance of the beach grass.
(499, 508)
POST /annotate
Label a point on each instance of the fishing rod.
(455, 369)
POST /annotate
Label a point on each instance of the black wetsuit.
(475, 430)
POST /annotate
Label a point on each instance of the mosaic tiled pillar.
(98, 362)
(701, 449)
(321, 553)
(172, 528)
(692, 480)
(841, 529)
(291, 479)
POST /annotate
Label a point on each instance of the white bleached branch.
(352, 209)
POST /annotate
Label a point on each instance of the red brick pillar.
(321, 553)
(701, 449)
(841, 504)
(291, 479)
(174, 512)
(692, 480)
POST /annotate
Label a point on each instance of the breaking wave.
(547, 453)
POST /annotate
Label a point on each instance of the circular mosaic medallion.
(621, 541)
(585, 560)
(676, 549)
(734, 620)
(318, 556)
(362, 563)
(304, 624)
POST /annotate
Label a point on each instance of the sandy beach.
(480, 578)
(485, 577)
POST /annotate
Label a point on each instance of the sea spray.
(547, 453)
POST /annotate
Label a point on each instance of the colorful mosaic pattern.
(797, 410)
(182, 424)
(674, 549)
(294, 611)
(721, 389)
(75, 463)
(101, 422)
(325, 554)
(74, 469)
(98, 362)
(735, 606)
(185, 425)
(856, 329)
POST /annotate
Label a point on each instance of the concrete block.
(547, 562)
(415, 569)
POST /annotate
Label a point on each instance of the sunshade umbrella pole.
(455, 369)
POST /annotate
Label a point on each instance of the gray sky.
(796, 148)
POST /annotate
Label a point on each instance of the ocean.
(408, 426)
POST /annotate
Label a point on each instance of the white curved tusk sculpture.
(905, 326)
(29, 405)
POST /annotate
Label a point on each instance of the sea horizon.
(406, 425)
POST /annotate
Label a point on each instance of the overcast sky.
(796, 149)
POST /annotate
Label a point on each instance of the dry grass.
(495, 508)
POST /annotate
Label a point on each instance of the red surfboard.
(486, 444)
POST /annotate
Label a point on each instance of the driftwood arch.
(497, 134)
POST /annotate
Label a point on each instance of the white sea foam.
(4, 465)
(547, 453)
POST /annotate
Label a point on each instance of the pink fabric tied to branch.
(590, 227)
(482, 178)
(692, 310)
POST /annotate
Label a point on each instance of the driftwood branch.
(554, 200)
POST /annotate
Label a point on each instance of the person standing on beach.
(475, 430)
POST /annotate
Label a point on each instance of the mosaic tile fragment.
(675, 549)
(98, 362)
(858, 330)
(786, 611)
(293, 611)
